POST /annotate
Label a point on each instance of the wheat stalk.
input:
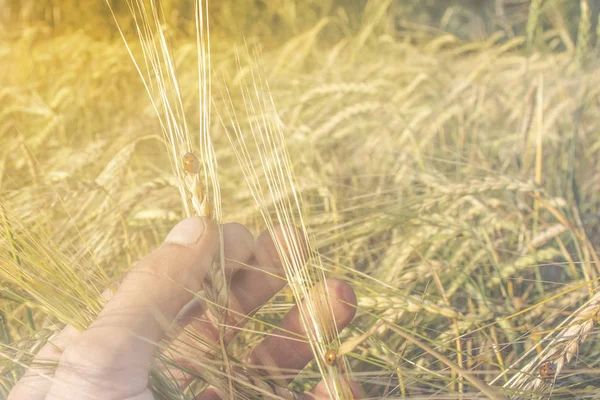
(264, 140)
(200, 196)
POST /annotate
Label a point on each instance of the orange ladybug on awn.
(330, 358)
(191, 164)
(548, 370)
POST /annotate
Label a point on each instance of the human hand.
(113, 357)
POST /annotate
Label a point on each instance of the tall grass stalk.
(584, 32)
(532, 21)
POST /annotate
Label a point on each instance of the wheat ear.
(194, 166)
(560, 350)
(263, 143)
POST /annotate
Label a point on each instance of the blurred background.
(469, 19)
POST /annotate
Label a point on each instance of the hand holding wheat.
(112, 359)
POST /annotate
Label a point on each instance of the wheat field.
(446, 166)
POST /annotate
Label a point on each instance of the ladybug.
(191, 164)
(548, 370)
(330, 358)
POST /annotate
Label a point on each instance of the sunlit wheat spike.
(112, 174)
(193, 161)
(156, 67)
(49, 277)
(262, 143)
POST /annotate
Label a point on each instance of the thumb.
(112, 358)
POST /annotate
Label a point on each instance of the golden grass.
(452, 183)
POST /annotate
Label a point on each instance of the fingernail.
(187, 232)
